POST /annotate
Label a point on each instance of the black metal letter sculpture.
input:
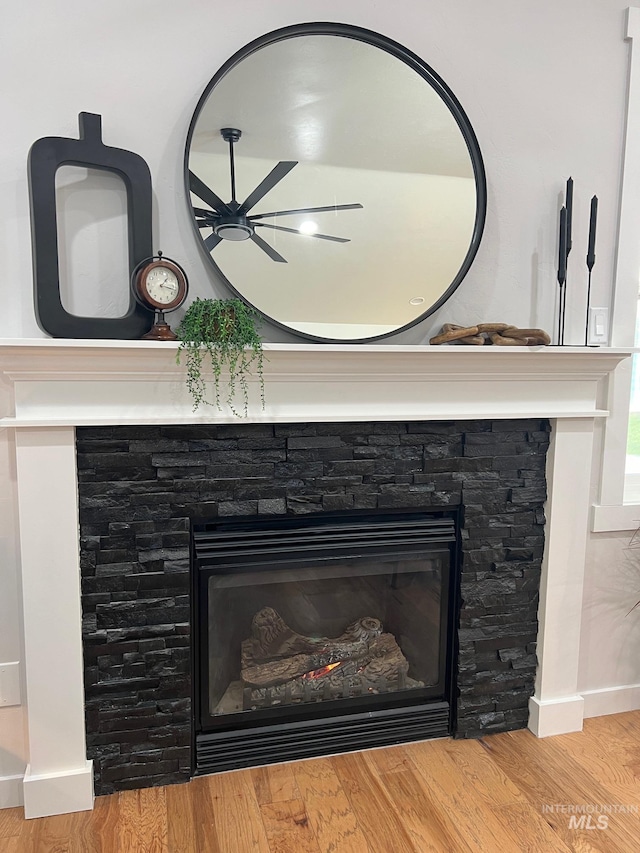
(46, 156)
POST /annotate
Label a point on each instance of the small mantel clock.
(161, 284)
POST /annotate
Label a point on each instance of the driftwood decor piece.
(280, 666)
(498, 334)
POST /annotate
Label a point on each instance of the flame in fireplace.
(318, 673)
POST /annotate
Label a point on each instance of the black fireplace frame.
(280, 734)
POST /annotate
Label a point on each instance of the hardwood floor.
(509, 792)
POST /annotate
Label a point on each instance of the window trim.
(611, 513)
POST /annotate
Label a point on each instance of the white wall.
(542, 82)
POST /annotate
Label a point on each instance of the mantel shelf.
(224, 418)
(23, 344)
(55, 382)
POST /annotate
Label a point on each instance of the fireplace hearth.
(308, 618)
(143, 489)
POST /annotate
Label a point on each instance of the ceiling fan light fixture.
(308, 227)
(229, 220)
(235, 231)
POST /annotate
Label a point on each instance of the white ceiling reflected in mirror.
(335, 182)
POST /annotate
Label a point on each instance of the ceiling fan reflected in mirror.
(229, 220)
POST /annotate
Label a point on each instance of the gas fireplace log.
(386, 660)
(281, 666)
(278, 671)
(271, 639)
(382, 660)
(384, 670)
(268, 673)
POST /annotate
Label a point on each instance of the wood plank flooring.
(444, 796)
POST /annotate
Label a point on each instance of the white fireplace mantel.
(68, 383)
(51, 386)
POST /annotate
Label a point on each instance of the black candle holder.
(564, 248)
(562, 275)
(591, 259)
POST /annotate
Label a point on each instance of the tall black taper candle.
(562, 270)
(562, 248)
(569, 205)
(591, 251)
(591, 259)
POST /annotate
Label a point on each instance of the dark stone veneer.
(140, 486)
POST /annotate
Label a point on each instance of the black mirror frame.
(430, 76)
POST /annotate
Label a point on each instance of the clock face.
(162, 285)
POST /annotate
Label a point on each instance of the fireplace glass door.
(305, 620)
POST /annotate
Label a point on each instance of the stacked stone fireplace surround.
(140, 487)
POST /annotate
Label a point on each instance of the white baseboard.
(611, 700)
(556, 716)
(58, 793)
(10, 791)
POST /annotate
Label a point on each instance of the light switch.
(598, 326)
(9, 684)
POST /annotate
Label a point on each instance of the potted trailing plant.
(218, 335)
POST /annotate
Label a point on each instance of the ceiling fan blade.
(206, 194)
(308, 210)
(208, 214)
(207, 221)
(275, 176)
(211, 241)
(268, 249)
(296, 231)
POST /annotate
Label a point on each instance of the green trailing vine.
(218, 336)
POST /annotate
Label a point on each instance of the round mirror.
(335, 182)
